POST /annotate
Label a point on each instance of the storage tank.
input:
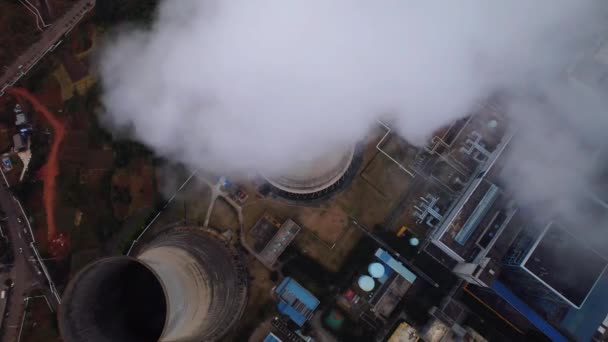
(185, 285)
(376, 270)
(366, 283)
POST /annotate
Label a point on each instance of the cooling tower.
(185, 285)
(312, 179)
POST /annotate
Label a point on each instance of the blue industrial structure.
(395, 265)
(295, 301)
(488, 240)
(528, 312)
(272, 338)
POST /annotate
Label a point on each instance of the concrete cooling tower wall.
(314, 179)
(186, 285)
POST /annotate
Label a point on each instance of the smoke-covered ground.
(256, 86)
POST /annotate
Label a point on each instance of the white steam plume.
(248, 86)
(257, 85)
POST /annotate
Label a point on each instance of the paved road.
(22, 272)
(50, 39)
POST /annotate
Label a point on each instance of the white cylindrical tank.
(366, 283)
(376, 270)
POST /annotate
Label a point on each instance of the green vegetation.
(35, 80)
(40, 148)
(72, 193)
(25, 190)
(126, 244)
(110, 12)
(126, 150)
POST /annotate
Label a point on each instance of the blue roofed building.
(295, 301)
(272, 338)
(395, 265)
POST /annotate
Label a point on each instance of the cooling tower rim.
(235, 255)
(314, 184)
(73, 283)
(180, 226)
(237, 259)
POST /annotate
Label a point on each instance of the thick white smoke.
(258, 85)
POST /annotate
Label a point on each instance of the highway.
(21, 272)
(50, 39)
(25, 272)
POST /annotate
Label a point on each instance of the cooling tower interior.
(185, 285)
(312, 179)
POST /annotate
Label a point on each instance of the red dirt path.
(50, 170)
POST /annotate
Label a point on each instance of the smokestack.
(186, 285)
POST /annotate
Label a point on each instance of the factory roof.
(295, 301)
(18, 142)
(272, 338)
(395, 265)
(20, 119)
(277, 244)
(565, 264)
(523, 308)
(404, 333)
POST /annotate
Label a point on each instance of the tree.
(114, 11)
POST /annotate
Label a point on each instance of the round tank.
(366, 283)
(186, 285)
(414, 242)
(376, 270)
(313, 178)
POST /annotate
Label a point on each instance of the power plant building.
(545, 264)
(295, 301)
(271, 238)
(377, 289)
(476, 229)
(185, 285)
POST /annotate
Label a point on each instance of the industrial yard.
(114, 228)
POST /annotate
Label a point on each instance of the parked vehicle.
(241, 196)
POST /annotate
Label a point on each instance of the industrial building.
(185, 285)
(544, 264)
(472, 225)
(315, 179)
(295, 301)
(377, 290)
(19, 143)
(271, 238)
(282, 331)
